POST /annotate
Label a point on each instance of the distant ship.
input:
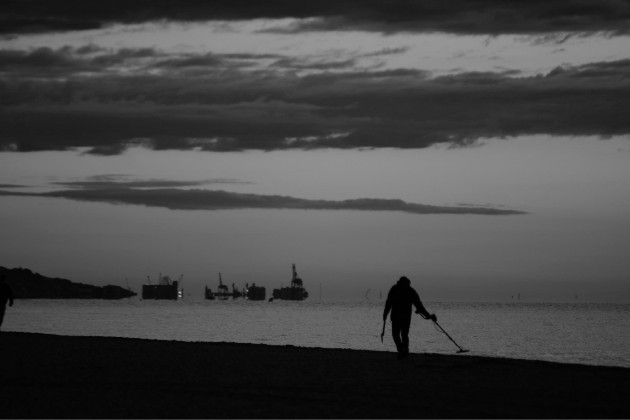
(166, 289)
(208, 294)
(295, 292)
(223, 292)
(254, 292)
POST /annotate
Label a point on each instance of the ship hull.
(290, 293)
(160, 291)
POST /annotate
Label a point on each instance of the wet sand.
(49, 376)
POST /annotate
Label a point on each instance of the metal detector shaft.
(461, 350)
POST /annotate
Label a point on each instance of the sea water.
(586, 333)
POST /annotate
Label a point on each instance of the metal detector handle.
(461, 350)
(433, 317)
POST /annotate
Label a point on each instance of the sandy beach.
(49, 376)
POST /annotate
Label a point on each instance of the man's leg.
(404, 332)
(396, 335)
(2, 309)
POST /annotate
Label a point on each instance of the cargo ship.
(223, 292)
(294, 292)
(254, 292)
(166, 289)
(208, 294)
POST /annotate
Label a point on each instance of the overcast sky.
(479, 147)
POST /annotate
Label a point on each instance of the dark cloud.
(205, 60)
(121, 181)
(41, 61)
(386, 51)
(224, 108)
(298, 63)
(177, 199)
(455, 16)
(263, 125)
(66, 61)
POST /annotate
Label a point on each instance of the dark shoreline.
(50, 376)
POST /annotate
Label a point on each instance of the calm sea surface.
(587, 333)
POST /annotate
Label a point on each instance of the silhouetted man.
(400, 300)
(6, 295)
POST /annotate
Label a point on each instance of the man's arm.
(388, 305)
(420, 309)
(10, 296)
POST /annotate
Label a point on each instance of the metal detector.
(461, 350)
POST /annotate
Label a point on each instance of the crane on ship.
(296, 281)
(222, 290)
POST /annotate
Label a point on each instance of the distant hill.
(28, 285)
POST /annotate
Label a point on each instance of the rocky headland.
(28, 285)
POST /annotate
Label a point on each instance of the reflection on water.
(585, 333)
